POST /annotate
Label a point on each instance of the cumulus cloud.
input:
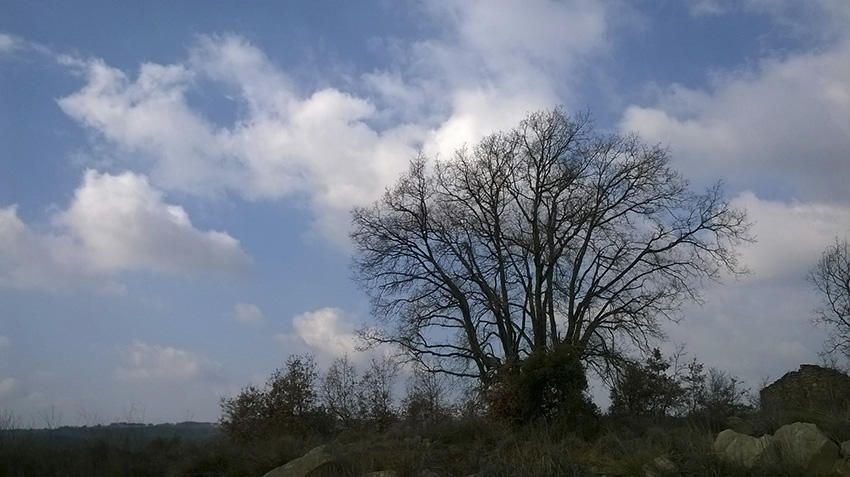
(766, 315)
(114, 223)
(751, 130)
(143, 362)
(247, 313)
(777, 131)
(326, 331)
(790, 235)
(337, 148)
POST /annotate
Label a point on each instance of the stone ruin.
(810, 388)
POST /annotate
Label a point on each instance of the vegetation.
(831, 277)
(549, 238)
(505, 277)
(433, 423)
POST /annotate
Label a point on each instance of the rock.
(739, 425)
(382, 473)
(805, 448)
(745, 451)
(312, 462)
(660, 466)
(845, 449)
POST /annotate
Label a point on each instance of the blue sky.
(175, 178)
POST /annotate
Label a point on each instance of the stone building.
(810, 388)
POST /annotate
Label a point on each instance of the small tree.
(693, 384)
(426, 399)
(287, 403)
(291, 392)
(831, 277)
(339, 390)
(724, 396)
(646, 389)
(375, 393)
(244, 417)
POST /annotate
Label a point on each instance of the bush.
(548, 386)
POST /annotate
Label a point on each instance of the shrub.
(547, 386)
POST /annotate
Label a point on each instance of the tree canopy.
(548, 236)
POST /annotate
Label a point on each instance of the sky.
(176, 177)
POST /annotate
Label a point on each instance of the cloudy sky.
(175, 178)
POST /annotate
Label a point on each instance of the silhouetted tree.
(339, 390)
(245, 417)
(426, 400)
(550, 235)
(831, 277)
(646, 389)
(724, 396)
(375, 392)
(286, 404)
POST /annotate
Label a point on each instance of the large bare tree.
(831, 277)
(550, 235)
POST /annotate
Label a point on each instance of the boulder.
(382, 473)
(310, 463)
(845, 448)
(739, 425)
(745, 451)
(804, 447)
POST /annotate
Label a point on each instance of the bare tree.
(547, 236)
(375, 392)
(426, 400)
(50, 417)
(831, 277)
(339, 390)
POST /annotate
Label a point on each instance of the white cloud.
(247, 313)
(777, 131)
(325, 331)
(782, 128)
(143, 362)
(122, 223)
(114, 223)
(8, 43)
(752, 329)
(790, 235)
(338, 148)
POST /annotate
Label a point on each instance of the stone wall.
(811, 388)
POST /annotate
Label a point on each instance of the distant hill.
(134, 434)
